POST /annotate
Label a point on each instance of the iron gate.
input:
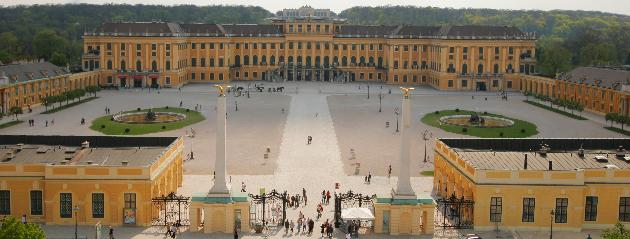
(268, 209)
(351, 199)
(170, 210)
(453, 212)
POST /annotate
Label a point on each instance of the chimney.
(550, 165)
(525, 164)
(125, 163)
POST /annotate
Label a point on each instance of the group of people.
(327, 229)
(31, 123)
(107, 111)
(303, 225)
(368, 178)
(325, 197)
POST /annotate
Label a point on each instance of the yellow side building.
(89, 179)
(529, 184)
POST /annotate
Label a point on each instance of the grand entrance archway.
(268, 209)
(170, 210)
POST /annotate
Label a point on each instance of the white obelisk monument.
(219, 189)
(403, 187)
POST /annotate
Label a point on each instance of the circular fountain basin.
(141, 117)
(488, 121)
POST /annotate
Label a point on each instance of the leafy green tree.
(6, 57)
(47, 42)
(92, 89)
(15, 110)
(9, 43)
(617, 232)
(59, 59)
(554, 57)
(598, 54)
(610, 117)
(13, 229)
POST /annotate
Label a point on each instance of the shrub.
(102, 126)
(166, 107)
(437, 112)
(485, 112)
(127, 130)
(501, 134)
(464, 130)
(187, 110)
(163, 126)
(139, 109)
(457, 110)
(523, 131)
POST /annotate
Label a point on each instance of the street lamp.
(426, 135)
(380, 101)
(76, 221)
(368, 91)
(236, 105)
(397, 114)
(551, 225)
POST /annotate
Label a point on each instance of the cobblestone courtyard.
(338, 117)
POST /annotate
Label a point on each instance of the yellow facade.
(137, 55)
(116, 184)
(454, 174)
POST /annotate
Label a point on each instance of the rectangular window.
(496, 209)
(122, 46)
(590, 209)
(65, 204)
(624, 209)
(561, 210)
(495, 83)
(98, 205)
(464, 83)
(509, 84)
(203, 76)
(138, 47)
(130, 200)
(450, 83)
(203, 45)
(5, 202)
(36, 203)
(193, 45)
(529, 208)
(211, 45)
(395, 78)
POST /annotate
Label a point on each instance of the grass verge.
(559, 111)
(63, 107)
(9, 124)
(520, 128)
(618, 130)
(427, 173)
(107, 126)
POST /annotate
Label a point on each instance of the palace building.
(26, 84)
(309, 45)
(87, 179)
(527, 184)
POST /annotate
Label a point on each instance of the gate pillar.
(220, 214)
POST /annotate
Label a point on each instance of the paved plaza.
(339, 117)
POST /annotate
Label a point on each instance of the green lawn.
(427, 173)
(115, 128)
(63, 107)
(11, 123)
(618, 130)
(557, 110)
(520, 129)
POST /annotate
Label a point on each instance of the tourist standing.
(235, 233)
(327, 197)
(111, 232)
(286, 226)
(324, 196)
(369, 178)
(389, 173)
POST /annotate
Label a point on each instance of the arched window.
(480, 69)
(353, 60)
(237, 60)
(138, 66)
(496, 68)
(344, 61)
(123, 66)
(281, 59)
(109, 64)
(308, 61)
(246, 60)
(318, 61)
(336, 60)
(450, 69)
(326, 61)
(255, 60)
(272, 60)
(362, 60)
(371, 60)
(509, 69)
(380, 61)
(464, 68)
(263, 60)
(154, 66)
(299, 60)
(290, 59)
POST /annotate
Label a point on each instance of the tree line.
(566, 38)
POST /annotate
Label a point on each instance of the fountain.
(149, 117)
(475, 120)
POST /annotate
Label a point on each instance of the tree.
(617, 232)
(554, 57)
(13, 229)
(610, 117)
(9, 43)
(46, 42)
(5, 57)
(59, 59)
(598, 54)
(15, 110)
(92, 89)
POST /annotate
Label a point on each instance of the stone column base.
(404, 218)
(219, 214)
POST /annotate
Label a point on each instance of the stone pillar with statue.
(403, 212)
(219, 209)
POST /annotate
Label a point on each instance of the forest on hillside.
(566, 38)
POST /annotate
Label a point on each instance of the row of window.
(308, 28)
(560, 211)
(203, 76)
(65, 203)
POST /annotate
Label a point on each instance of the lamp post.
(397, 114)
(380, 101)
(551, 225)
(368, 91)
(236, 105)
(426, 135)
(76, 221)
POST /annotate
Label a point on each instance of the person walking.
(243, 187)
(389, 173)
(286, 227)
(111, 232)
(369, 178)
(327, 197)
(292, 226)
(324, 196)
(235, 233)
(46, 123)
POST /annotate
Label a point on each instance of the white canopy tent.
(357, 213)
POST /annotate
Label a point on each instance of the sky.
(613, 6)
